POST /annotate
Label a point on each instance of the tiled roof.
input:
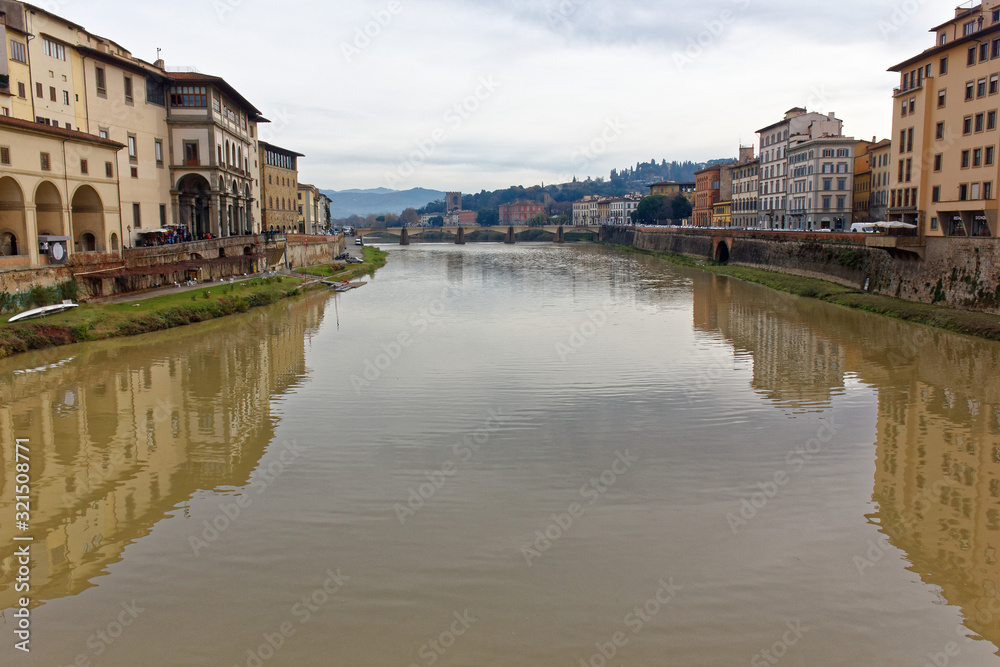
(58, 131)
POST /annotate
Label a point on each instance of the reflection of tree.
(126, 430)
(937, 478)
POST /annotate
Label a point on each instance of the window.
(827, 185)
(944, 65)
(971, 60)
(163, 215)
(46, 162)
(963, 192)
(135, 172)
(909, 169)
(988, 190)
(133, 154)
(189, 96)
(109, 169)
(937, 162)
(4, 155)
(158, 151)
(934, 223)
(102, 133)
(52, 93)
(974, 191)
(942, 95)
(155, 93)
(939, 131)
(57, 51)
(970, 90)
(984, 52)
(991, 120)
(21, 91)
(101, 81)
(136, 216)
(913, 106)
(83, 167)
(981, 88)
(18, 52)
(66, 97)
(129, 99)
(979, 122)
(994, 84)
(965, 159)
(977, 157)
(191, 154)
(909, 140)
(841, 183)
(967, 125)
(826, 203)
(936, 194)
(989, 156)
(216, 104)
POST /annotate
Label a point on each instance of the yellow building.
(308, 208)
(944, 152)
(862, 181)
(279, 179)
(672, 189)
(722, 214)
(881, 180)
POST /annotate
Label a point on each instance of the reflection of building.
(120, 435)
(279, 186)
(937, 448)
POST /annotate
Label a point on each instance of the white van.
(863, 228)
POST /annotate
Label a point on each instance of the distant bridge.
(505, 234)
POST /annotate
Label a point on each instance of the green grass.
(96, 321)
(373, 257)
(982, 325)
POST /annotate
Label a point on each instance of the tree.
(680, 207)
(651, 210)
(436, 221)
(539, 220)
(410, 217)
(487, 218)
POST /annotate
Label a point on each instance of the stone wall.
(311, 250)
(961, 273)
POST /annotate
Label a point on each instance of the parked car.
(358, 241)
(355, 260)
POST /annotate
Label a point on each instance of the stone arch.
(49, 210)
(722, 252)
(194, 198)
(13, 229)
(88, 220)
(247, 250)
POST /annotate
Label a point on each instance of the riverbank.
(374, 259)
(100, 321)
(982, 325)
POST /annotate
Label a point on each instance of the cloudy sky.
(491, 93)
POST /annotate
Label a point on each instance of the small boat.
(43, 311)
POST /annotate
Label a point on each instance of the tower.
(453, 202)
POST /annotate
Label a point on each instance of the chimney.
(832, 115)
(159, 64)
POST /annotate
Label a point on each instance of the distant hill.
(378, 201)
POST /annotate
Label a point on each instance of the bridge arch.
(722, 252)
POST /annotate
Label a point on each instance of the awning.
(154, 231)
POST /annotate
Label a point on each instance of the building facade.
(821, 184)
(520, 212)
(707, 187)
(881, 156)
(745, 197)
(863, 181)
(944, 150)
(307, 209)
(279, 188)
(774, 141)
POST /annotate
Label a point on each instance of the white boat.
(43, 311)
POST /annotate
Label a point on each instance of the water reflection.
(122, 432)
(937, 475)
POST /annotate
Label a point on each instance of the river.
(528, 455)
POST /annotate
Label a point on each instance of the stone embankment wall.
(961, 273)
(311, 250)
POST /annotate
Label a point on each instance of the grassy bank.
(101, 321)
(982, 325)
(338, 271)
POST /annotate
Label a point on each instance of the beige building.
(190, 155)
(746, 178)
(308, 209)
(279, 178)
(944, 152)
